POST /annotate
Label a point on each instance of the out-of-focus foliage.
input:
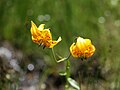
(98, 20)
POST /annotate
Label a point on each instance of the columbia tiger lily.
(42, 36)
(82, 48)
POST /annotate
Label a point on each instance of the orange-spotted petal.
(53, 43)
(42, 36)
(34, 30)
(46, 34)
(83, 47)
(75, 51)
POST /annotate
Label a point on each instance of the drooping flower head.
(42, 36)
(82, 48)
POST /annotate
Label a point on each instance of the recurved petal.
(87, 41)
(35, 40)
(81, 43)
(53, 43)
(90, 51)
(41, 27)
(46, 34)
(33, 28)
(79, 39)
(59, 39)
(71, 48)
(75, 51)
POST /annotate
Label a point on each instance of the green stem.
(79, 80)
(62, 59)
(54, 55)
(67, 73)
(67, 67)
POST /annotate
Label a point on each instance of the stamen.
(44, 46)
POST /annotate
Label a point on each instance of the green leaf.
(61, 60)
(62, 73)
(73, 83)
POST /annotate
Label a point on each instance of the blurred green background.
(21, 60)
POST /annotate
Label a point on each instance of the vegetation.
(23, 63)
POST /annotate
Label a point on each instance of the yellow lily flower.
(42, 36)
(83, 47)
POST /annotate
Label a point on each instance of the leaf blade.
(73, 83)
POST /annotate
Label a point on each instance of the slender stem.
(54, 55)
(61, 60)
(67, 73)
(67, 67)
(79, 80)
